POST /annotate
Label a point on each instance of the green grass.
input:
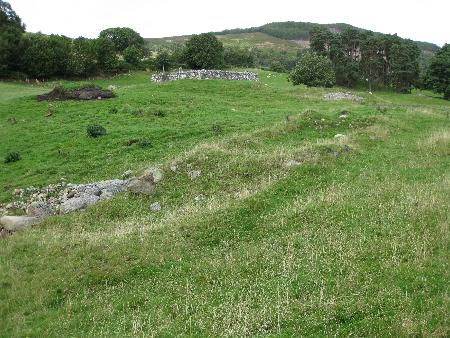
(351, 242)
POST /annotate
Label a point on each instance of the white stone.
(17, 223)
(155, 206)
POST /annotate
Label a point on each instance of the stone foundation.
(205, 74)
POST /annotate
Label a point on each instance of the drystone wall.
(205, 74)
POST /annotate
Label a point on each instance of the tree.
(106, 54)
(123, 38)
(277, 66)
(203, 51)
(238, 57)
(437, 77)
(84, 56)
(405, 65)
(371, 63)
(8, 17)
(163, 60)
(42, 55)
(11, 30)
(132, 55)
(314, 71)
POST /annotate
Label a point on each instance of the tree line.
(37, 55)
(380, 59)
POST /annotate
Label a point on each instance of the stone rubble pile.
(63, 198)
(338, 96)
(205, 74)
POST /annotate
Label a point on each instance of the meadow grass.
(350, 241)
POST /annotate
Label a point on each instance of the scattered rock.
(156, 172)
(127, 173)
(143, 184)
(112, 87)
(155, 206)
(77, 203)
(199, 197)
(291, 163)
(347, 95)
(194, 173)
(17, 223)
(40, 209)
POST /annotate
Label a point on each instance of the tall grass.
(351, 240)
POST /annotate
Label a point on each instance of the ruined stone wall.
(204, 74)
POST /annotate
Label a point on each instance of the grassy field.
(350, 241)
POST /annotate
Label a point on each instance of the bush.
(277, 66)
(113, 110)
(95, 130)
(145, 143)
(12, 156)
(159, 113)
(216, 128)
(314, 71)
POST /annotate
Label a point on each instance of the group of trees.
(437, 77)
(381, 59)
(38, 55)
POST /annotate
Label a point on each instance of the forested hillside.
(278, 45)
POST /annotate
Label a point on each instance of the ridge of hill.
(287, 33)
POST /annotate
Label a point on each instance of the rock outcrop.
(143, 184)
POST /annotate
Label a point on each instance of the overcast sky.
(413, 19)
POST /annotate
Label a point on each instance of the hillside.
(307, 217)
(278, 37)
(286, 32)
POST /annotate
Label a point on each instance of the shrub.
(145, 143)
(216, 128)
(12, 156)
(113, 110)
(314, 71)
(159, 113)
(277, 66)
(95, 130)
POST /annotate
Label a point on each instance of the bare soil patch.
(83, 93)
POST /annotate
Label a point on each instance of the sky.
(413, 19)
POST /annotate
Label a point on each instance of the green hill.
(291, 37)
(296, 31)
(309, 218)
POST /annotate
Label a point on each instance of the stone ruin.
(205, 74)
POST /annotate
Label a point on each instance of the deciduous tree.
(106, 54)
(132, 55)
(437, 77)
(123, 38)
(11, 30)
(203, 51)
(314, 71)
(42, 55)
